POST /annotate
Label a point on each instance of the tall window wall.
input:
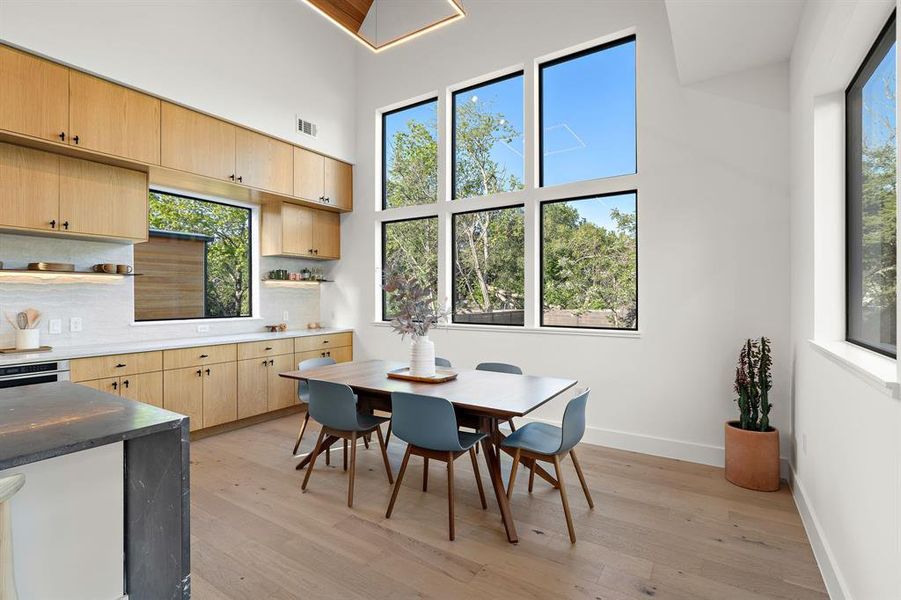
(533, 222)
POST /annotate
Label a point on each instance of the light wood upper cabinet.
(193, 142)
(102, 200)
(263, 162)
(34, 96)
(220, 394)
(29, 188)
(309, 175)
(339, 184)
(326, 234)
(183, 393)
(297, 230)
(113, 119)
(321, 179)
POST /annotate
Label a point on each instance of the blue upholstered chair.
(303, 392)
(540, 441)
(429, 426)
(334, 406)
(499, 367)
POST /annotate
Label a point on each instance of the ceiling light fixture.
(323, 7)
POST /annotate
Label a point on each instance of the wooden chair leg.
(532, 474)
(303, 428)
(378, 431)
(397, 483)
(353, 466)
(569, 518)
(328, 456)
(388, 434)
(316, 451)
(572, 454)
(475, 470)
(513, 473)
(366, 441)
(345, 454)
(450, 494)
(425, 474)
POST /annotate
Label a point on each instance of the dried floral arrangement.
(415, 308)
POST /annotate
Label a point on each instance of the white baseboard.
(832, 577)
(659, 446)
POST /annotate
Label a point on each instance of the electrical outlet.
(75, 324)
(285, 316)
(203, 329)
(56, 326)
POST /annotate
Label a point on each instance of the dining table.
(481, 399)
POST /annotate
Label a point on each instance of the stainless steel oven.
(28, 374)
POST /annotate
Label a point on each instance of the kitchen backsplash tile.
(107, 309)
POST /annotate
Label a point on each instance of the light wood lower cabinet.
(340, 354)
(220, 394)
(260, 389)
(115, 365)
(141, 387)
(183, 393)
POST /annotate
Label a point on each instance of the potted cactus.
(752, 445)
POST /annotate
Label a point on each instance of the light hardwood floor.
(660, 528)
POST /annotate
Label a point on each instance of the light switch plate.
(285, 316)
(56, 326)
(75, 324)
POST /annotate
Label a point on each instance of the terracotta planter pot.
(752, 458)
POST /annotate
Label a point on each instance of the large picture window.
(587, 114)
(410, 155)
(871, 199)
(196, 263)
(487, 137)
(589, 262)
(489, 247)
(410, 247)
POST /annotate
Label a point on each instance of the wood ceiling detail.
(349, 13)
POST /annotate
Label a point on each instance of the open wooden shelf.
(25, 274)
(294, 283)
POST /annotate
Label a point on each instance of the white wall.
(713, 226)
(256, 63)
(847, 455)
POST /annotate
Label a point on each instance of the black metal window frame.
(453, 147)
(453, 242)
(853, 179)
(385, 116)
(384, 226)
(569, 57)
(249, 260)
(541, 274)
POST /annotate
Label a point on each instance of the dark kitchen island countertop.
(46, 420)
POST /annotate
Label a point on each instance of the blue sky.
(597, 210)
(878, 107)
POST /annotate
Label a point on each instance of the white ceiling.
(712, 38)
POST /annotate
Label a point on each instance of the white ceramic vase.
(422, 357)
(28, 339)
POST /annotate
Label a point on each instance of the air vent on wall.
(306, 127)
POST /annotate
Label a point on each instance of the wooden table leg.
(492, 460)
(326, 443)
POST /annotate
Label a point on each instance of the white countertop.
(69, 352)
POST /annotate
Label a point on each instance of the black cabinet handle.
(62, 135)
(268, 348)
(271, 362)
(125, 383)
(75, 139)
(265, 362)
(53, 224)
(240, 179)
(115, 385)
(207, 371)
(316, 251)
(232, 176)
(325, 341)
(199, 372)
(328, 199)
(204, 356)
(66, 225)
(120, 365)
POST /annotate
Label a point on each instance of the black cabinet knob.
(199, 372)
(75, 139)
(53, 224)
(271, 362)
(125, 383)
(241, 179)
(62, 135)
(66, 225)
(232, 176)
(265, 362)
(207, 371)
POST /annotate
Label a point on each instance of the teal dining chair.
(548, 443)
(429, 426)
(499, 367)
(334, 406)
(303, 392)
(439, 362)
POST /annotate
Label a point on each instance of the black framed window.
(589, 262)
(196, 263)
(488, 271)
(410, 155)
(871, 199)
(587, 114)
(410, 247)
(487, 137)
